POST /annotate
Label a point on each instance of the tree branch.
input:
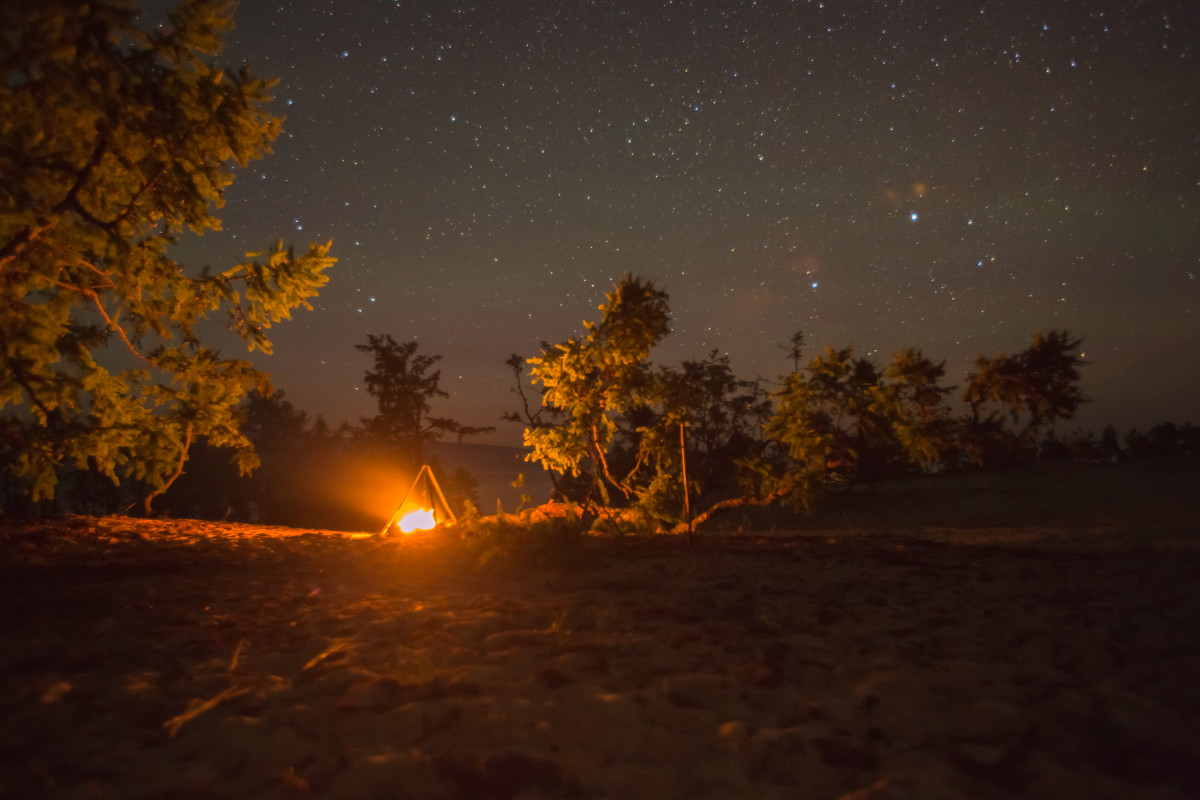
(19, 376)
(14, 246)
(183, 454)
(725, 506)
(621, 486)
(109, 320)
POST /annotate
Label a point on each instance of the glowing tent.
(423, 507)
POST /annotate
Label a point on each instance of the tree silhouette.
(403, 383)
(841, 419)
(114, 142)
(720, 408)
(913, 401)
(795, 349)
(282, 437)
(528, 415)
(1040, 383)
(821, 421)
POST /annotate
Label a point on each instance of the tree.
(723, 415)
(544, 414)
(820, 416)
(795, 349)
(841, 419)
(281, 434)
(911, 398)
(1110, 447)
(403, 383)
(114, 142)
(591, 380)
(718, 407)
(1041, 383)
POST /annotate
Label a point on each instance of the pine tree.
(403, 383)
(114, 141)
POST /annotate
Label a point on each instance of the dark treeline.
(316, 476)
(308, 474)
(614, 430)
(309, 470)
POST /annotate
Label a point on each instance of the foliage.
(617, 432)
(1052, 448)
(988, 443)
(841, 419)
(698, 420)
(1041, 383)
(912, 399)
(1110, 448)
(113, 142)
(301, 462)
(817, 411)
(1165, 440)
(591, 380)
(507, 540)
(281, 487)
(723, 415)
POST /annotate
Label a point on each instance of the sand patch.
(151, 659)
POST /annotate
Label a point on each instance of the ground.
(1031, 635)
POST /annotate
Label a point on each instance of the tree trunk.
(726, 506)
(183, 453)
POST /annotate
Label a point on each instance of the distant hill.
(495, 467)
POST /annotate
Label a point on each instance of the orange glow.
(419, 520)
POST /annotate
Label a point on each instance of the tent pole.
(400, 507)
(430, 478)
(442, 497)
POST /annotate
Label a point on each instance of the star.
(489, 160)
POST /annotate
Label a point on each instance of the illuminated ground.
(184, 659)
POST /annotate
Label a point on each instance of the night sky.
(942, 175)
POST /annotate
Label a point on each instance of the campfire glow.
(419, 520)
(423, 508)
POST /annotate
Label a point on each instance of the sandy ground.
(150, 659)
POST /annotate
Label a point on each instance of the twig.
(337, 646)
(237, 651)
(196, 709)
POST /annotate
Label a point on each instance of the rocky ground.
(149, 659)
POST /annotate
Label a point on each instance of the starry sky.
(946, 175)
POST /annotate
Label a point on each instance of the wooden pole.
(437, 488)
(687, 507)
(399, 508)
(430, 479)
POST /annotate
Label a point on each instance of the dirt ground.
(1022, 637)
